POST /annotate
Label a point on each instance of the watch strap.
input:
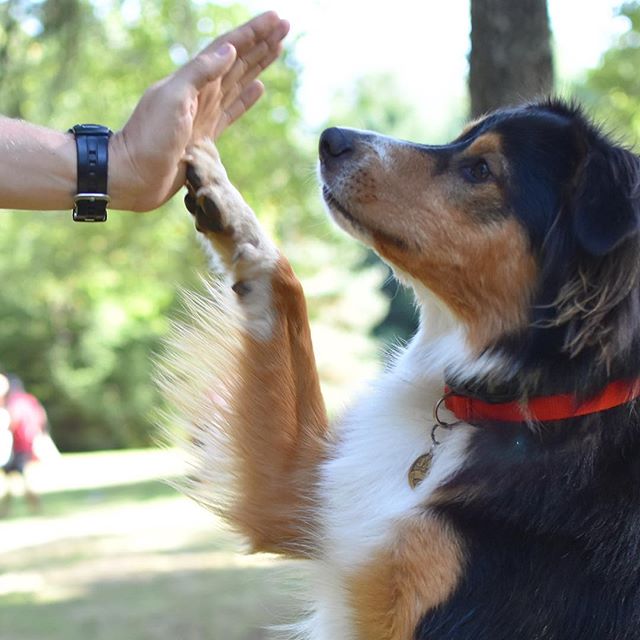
(92, 145)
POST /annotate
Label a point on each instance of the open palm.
(201, 99)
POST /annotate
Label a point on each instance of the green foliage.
(84, 307)
(612, 89)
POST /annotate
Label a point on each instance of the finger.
(259, 53)
(207, 66)
(231, 88)
(245, 64)
(279, 33)
(250, 65)
(262, 53)
(239, 106)
(246, 35)
(255, 54)
(253, 58)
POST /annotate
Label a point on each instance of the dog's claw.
(213, 214)
(192, 178)
(208, 216)
(190, 203)
(205, 210)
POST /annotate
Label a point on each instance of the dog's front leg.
(280, 428)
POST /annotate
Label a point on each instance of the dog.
(487, 485)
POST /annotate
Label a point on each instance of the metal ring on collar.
(437, 419)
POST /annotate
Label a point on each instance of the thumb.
(208, 66)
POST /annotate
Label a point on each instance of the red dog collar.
(543, 408)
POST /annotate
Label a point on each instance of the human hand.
(201, 99)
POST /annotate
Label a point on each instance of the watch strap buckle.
(91, 197)
(90, 207)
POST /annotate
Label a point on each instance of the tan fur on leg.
(245, 379)
(282, 437)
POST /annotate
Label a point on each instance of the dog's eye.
(477, 172)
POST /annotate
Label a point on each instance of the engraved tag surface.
(419, 469)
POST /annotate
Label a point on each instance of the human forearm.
(199, 100)
(38, 168)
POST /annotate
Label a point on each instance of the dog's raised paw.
(200, 203)
(225, 219)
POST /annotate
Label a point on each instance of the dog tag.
(419, 469)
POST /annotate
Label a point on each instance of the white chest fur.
(365, 489)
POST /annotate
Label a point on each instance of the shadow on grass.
(61, 553)
(63, 503)
(221, 604)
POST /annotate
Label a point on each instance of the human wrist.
(123, 188)
(142, 177)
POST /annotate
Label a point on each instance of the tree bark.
(511, 58)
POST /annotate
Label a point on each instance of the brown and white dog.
(506, 506)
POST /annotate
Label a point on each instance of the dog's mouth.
(336, 206)
(355, 226)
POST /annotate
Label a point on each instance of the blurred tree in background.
(83, 307)
(612, 89)
(510, 58)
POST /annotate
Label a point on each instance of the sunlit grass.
(128, 559)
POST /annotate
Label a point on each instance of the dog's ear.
(606, 204)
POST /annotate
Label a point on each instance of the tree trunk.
(511, 57)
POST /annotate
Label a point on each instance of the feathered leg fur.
(263, 399)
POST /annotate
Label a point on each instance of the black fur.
(551, 515)
(577, 194)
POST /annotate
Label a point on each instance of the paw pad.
(205, 210)
(241, 288)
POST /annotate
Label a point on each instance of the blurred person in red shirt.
(27, 423)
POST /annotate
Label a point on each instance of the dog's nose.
(335, 142)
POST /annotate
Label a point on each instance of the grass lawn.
(117, 553)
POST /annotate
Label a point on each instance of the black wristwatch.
(92, 144)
